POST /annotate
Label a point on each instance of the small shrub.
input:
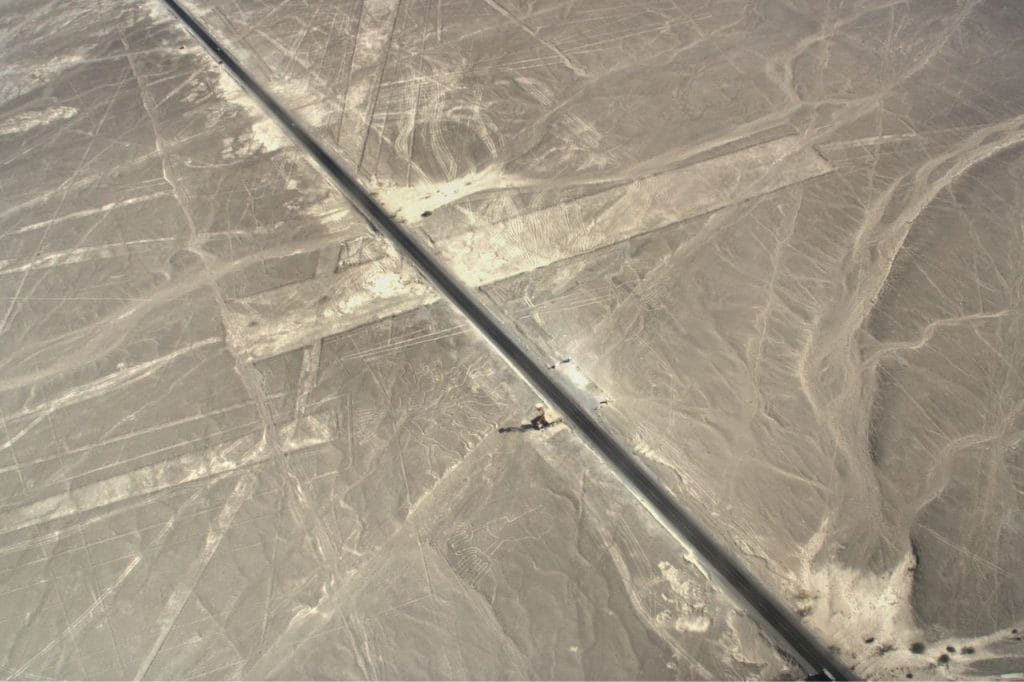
(967, 649)
(944, 659)
(917, 647)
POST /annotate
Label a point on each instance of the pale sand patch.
(27, 120)
(293, 316)
(488, 253)
(241, 452)
(408, 204)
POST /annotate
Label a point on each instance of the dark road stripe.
(798, 640)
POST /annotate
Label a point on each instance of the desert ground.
(776, 248)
